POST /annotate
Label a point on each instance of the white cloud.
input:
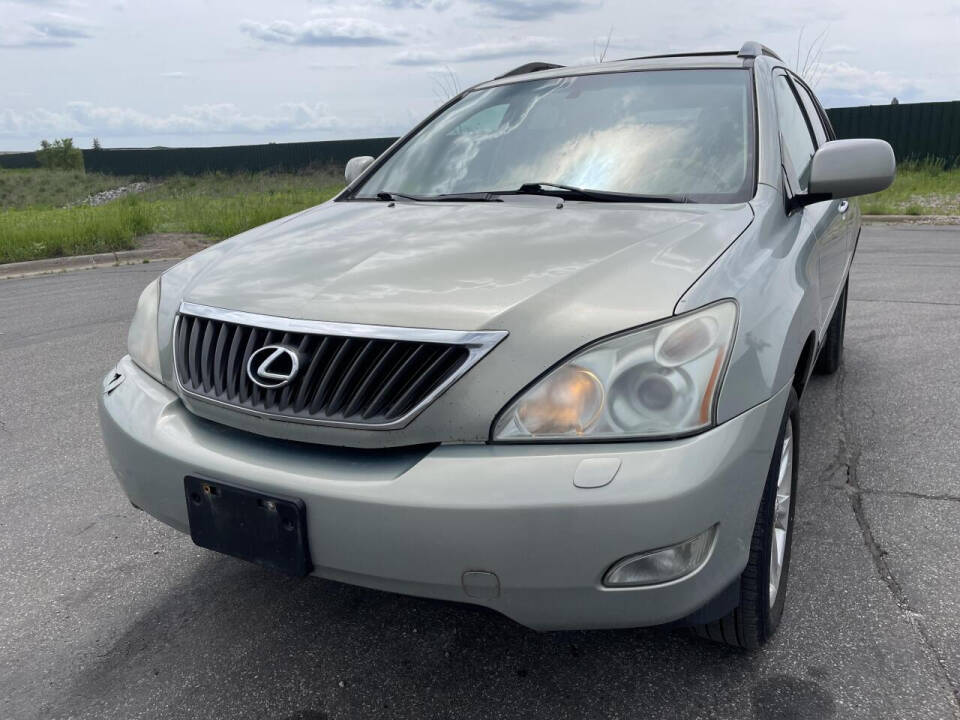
(416, 4)
(58, 25)
(530, 9)
(839, 50)
(343, 53)
(419, 57)
(857, 85)
(50, 30)
(47, 3)
(85, 118)
(324, 31)
(493, 50)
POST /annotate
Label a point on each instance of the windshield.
(683, 134)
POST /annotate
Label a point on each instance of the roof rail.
(752, 49)
(529, 67)
(679, 55)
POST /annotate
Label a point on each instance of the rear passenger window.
(794, 133)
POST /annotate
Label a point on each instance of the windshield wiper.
(570, 192)
(467, 197)
(390, 196)
(448, 197)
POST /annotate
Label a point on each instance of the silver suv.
(542, 355)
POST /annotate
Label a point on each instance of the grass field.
(920, 189)
(22, 189)
(34, 224)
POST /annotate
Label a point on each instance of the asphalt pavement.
(106, 613)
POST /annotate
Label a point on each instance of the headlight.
(142, 338)
(658, 381)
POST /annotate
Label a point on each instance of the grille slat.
(329, 376)
(309, 380)
(206, 356)
(233, 362)
(219, 384)
(348, 381)
(341, 379)
(394, 382)
(423, 381)
(246, 384)
(375, 373)
(193, 358)
(183, 332)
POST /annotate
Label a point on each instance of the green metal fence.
(157, 162)
(916, 131)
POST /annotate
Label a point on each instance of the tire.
(756, 618)
(828, 362)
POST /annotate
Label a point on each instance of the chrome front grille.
(355, 375)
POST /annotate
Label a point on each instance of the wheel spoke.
(781, 512)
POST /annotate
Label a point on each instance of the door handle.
(843, 206)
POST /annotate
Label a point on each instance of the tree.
(60, 155)
(96, 144)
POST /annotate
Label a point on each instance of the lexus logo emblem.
(273, 366)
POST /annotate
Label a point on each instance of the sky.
(140, 73)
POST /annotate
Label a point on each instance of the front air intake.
(311, 371)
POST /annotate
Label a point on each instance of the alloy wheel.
(781, 512)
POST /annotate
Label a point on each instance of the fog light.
(663, 565)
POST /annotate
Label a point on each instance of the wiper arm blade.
(578, 193)
(467, 197)
(390, 196)
(448, 197)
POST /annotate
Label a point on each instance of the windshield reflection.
(680, 133)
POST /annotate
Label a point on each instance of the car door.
(845, 225)
(826, 219)
(840, 235)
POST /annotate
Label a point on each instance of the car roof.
(720, 59)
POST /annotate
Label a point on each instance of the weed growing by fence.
(217, 205)
(21, 189)
(921, 188)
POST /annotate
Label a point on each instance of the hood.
(554, 279)
(469, 266)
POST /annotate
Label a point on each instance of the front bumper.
(415, 520)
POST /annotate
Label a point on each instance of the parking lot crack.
(848, 458)
(904, 302)
(946, 497)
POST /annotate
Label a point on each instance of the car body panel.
(414, 520)
(773, 271)
(554, 279)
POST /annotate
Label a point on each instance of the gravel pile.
(102, 198)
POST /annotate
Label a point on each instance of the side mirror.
(844, 168)
(356, 166)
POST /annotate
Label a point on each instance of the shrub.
(60, 155)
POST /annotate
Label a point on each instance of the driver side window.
(795, 138)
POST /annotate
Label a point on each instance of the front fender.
(772, 272)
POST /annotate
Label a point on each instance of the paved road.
(106, 613)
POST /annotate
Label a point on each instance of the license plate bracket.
(263, 529)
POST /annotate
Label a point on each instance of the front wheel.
(763, 583)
